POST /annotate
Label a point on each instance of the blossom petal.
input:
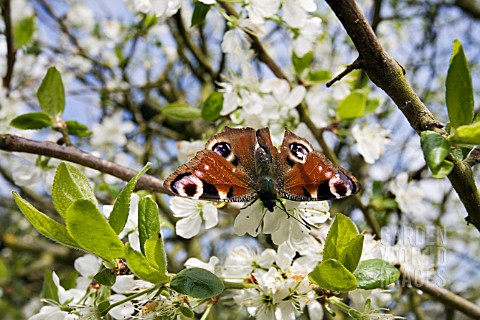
(188, 227)
(210, 215)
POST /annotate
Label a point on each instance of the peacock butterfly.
(240, 165)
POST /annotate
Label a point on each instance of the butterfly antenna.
(301, 220)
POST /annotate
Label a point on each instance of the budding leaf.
(302, 63)
(121, 207)
(199, 13)
(459, 88)
(76, 128)
(155, 253)
(89, 228)
(148, 220)
(49, 289)
(198, 283)
(51, 93)
(142, 268)
(353, 105)
(44, 224)
(375, 273)
(330, 274)
(468, 134)
(105, 277)
(23, 31)
(212, 106)
(32, 120)
(181, 111)
(70, 185)
(435, 149)
(350, 256)
(342, 231)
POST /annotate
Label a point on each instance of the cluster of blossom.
(281, 287)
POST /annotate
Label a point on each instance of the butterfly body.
(240, 165)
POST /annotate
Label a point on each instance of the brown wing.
(237, 145)
(309, 175)
(209, 176)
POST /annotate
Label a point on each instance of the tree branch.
(15, 143)
(388, 75)
(441, 294)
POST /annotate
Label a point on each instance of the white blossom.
(371, 141)
(283, 227)
(408, 195)
(258, 10)
(303, 42)
(192, 212)
(87, 266)
(162, 8)
(131, 226)
(110, 133)
(242, 261)
(295, 12)
(81, 17)
(197, 263)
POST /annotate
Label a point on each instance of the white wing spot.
(206, 167)
(320, 168)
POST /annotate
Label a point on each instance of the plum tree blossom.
(408, 195)
(371, 141)
(192, 213)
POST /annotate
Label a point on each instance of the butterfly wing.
(309, 175)
(237, 146)
(209, 176)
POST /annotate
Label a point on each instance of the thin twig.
(15, 143)
(357, 64)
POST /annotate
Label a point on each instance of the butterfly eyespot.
(188, 185)
(225, 150)
(298, 152)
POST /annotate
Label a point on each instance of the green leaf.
(330, 274)
(44, 224)
(319, 75)
(155, 253)
(375, 273)
(121, 207)
(435, 148)
(372, 105)
(181, 111)
(198, 283)
(350, 256)
(23, 31)
(187, 312)
(103, 307)
(442, 170)
(105, 277)
(141, 268)
(69, 185)
(212, 106)
(469, 134)
(199, 13)
(148, 220)
(86, 224)
(342, 231)
(77, 129)
(301, 63)
(33, 120)
(353, 105)
(50, 289)
(459, 91)
(51, 94)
